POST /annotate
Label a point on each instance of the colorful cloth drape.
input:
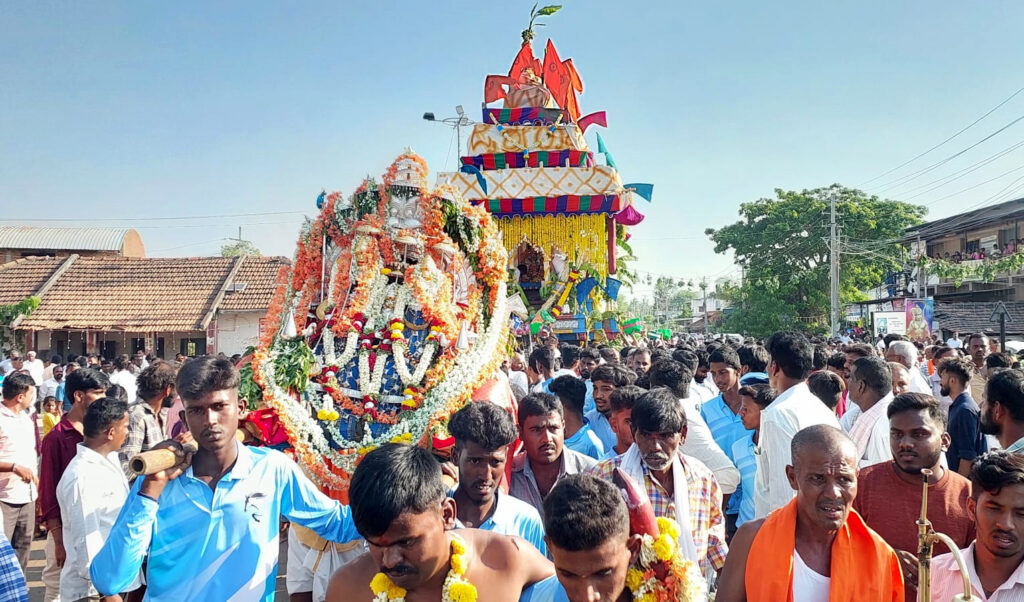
(490, 161)
(525, 116)
(566, 204)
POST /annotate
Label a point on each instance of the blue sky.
(117, 111)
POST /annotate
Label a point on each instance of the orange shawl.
(864, 567)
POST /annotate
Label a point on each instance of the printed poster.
(919, 319)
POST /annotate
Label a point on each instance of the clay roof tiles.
(254, 284)
(136, 294)
(23, 277)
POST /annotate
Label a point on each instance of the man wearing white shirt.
(870, 385)
(91, 493)
(13, 363)
(698, 443)
(905, 352)
(35, 367)
(954, 341)
(18, 477)
(794, 409)
(517, 372)
(123, 376)
(49, 387)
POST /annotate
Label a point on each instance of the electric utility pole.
(833, 274)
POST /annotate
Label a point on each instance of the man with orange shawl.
(815, 548)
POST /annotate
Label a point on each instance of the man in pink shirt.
(18, 479)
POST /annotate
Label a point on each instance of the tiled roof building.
(115, 305)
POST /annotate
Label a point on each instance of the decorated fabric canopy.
(528, 165)
(392, 316)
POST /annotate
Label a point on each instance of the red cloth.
(59, 446)
(857, 551)
(841, 407)
(879, 485)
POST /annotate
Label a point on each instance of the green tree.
(239, 247)
(668, 306)
(782, 245)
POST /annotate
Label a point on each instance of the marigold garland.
(365, 324)
(456, 587)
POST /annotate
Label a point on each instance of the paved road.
(37, 561)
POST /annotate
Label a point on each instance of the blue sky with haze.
(121, 110)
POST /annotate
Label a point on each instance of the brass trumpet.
(926, 538)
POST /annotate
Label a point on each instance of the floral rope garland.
(456, 587)
(365, 327)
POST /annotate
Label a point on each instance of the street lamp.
(455, 122)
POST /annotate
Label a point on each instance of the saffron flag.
(556, 76)
(494, 87)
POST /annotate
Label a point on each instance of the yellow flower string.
(456, 587)
(682, 580)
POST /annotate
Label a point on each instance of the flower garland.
(367, 309)
(456, 587)
(661, 573)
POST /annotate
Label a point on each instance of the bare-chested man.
(399, 504)
(814, 548)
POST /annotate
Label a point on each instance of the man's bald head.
(824, 475)
(825, 438)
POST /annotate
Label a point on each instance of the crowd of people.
(793, 467)
(977, 252)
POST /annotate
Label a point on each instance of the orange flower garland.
(356, 274)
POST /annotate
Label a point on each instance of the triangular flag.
(644, 190)
(601, 148)
(473, 169)
(583, 289)
(611, 287)
(599, 118)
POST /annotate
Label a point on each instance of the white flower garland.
(376, 378)
(402, 368)
(349, 352)
(309, 431)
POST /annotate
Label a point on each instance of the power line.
(963, 190)
(956, 175)
(907, 178)
(975, 122)
(147, 219)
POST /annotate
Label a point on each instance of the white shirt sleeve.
(701, 445)
(74, 515)
(772, 489)
(879, 448)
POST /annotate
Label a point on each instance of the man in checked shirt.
(145, 420)
(680, 486)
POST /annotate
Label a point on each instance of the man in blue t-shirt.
(483, 433)
(578, 435)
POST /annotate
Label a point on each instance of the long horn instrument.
(926, 538)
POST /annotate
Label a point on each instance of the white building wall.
(236, 331)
